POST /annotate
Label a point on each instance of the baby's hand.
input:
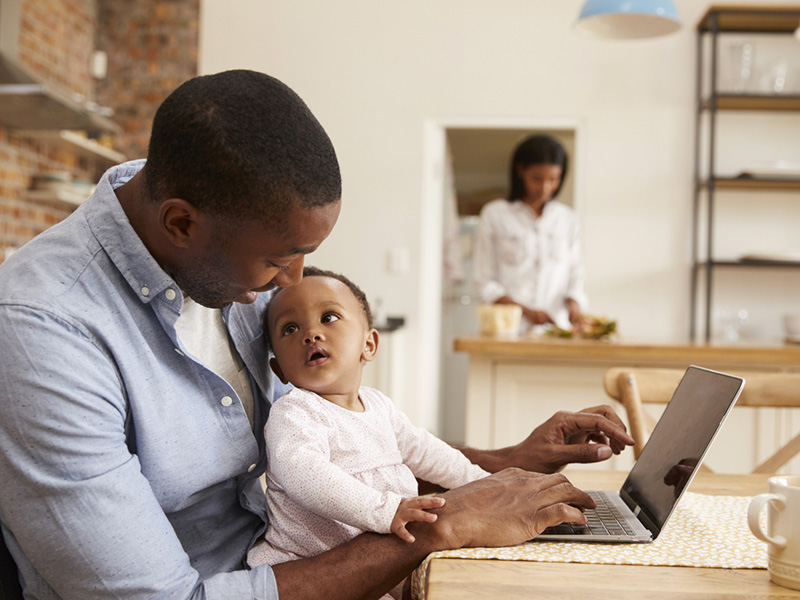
(414, 509)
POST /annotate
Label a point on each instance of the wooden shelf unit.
(732, 19)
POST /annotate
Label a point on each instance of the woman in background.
(527, 248)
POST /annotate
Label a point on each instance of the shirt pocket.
(558, 248)
(510, 249)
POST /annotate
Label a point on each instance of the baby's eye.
(330, 318)
(289, 329)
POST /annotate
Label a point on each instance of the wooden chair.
(633, 387)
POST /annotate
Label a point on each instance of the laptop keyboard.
(603, 520)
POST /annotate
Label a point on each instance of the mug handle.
(754, 517)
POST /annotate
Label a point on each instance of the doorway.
(474, 159)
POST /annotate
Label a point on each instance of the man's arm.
(82, 516)
(591, 435)
(503, 509)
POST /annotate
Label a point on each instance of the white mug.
(783, 528)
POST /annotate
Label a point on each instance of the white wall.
(375, 73)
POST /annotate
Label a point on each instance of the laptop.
(666, 465)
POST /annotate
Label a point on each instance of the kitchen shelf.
(718, 20)
(768, 102)
(76, 142)
(746, 19)
(751, 262)
(26, 102)
(755, 183)
(69, 197)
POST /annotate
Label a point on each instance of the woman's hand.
(537, 317)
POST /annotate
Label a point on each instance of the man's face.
(254, 258)
(319, 334)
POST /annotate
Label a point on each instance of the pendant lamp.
(628, 19)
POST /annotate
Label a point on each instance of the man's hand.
(414, 509)
(508, 508)
(591, 435)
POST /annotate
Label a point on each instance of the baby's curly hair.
(310, 271)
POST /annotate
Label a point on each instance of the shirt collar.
(113, 231)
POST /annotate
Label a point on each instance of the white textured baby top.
(333, 473)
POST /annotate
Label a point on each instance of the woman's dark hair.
(240, 145)
(538, 149)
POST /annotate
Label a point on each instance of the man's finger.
(580, 453)
(556, 514)
(585, 422)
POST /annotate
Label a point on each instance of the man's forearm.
(366, 567)
(491, 460)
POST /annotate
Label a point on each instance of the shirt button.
(226, 401)
(170, 294)
(251, 468)
(145, 291)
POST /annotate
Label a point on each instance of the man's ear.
(370, 346)
(276, 368)
(182, 223)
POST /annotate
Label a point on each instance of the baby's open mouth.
(316, 355)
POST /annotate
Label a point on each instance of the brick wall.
(151, 47)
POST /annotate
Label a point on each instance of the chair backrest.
(633, 387)
(10, 588)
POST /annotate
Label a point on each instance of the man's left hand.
(591, 435)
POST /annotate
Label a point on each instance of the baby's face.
(320, 336)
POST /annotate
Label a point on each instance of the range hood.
(27, 102)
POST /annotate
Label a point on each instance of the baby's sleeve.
(430, 458)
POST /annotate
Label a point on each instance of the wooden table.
(468, 579)
(514, 385)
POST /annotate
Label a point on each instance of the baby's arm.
(430, 458)
(414, 509)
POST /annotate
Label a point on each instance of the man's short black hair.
(536, 150)
(310, 271)
(240, 145)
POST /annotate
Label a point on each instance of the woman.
(527, 248)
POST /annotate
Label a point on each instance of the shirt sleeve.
(430, 458)
(298, 453)
(78, 511)
(484, 260)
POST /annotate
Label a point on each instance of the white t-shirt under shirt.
(536, 261)
(333, 473)
(203, 332)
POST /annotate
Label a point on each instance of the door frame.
(434, 157)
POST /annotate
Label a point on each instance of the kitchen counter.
(515, 384)
(752, 356)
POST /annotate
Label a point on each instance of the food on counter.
(591, 327)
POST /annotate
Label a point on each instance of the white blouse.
(536, 261)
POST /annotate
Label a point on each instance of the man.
(134, 384)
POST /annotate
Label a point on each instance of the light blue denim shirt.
(128, 469)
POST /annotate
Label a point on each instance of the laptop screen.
(679, 442)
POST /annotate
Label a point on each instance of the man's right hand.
(507, 508)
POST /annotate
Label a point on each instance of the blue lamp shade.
(627, 19)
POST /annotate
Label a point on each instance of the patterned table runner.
(704, 531)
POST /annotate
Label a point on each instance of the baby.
(341, 459)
